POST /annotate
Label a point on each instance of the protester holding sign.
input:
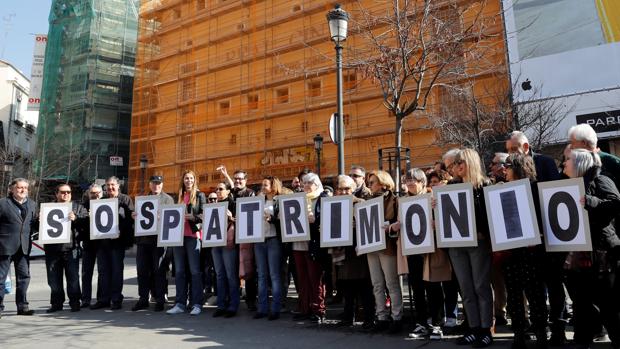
(65, 258)
(151, 261)
(353, 272)
(383, 265)
(111, 252)
(472, 265)
(226, 261)
(592, 276)
(89, 248)
(415, 180)
(189, 253)
(17, 215)
(268, 254)
(310, 258)
(523, 268)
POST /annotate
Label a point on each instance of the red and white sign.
(116, 161)
(36, 75)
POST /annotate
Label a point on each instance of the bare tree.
(414, 45)
(480, 121)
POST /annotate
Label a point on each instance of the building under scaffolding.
(85, 116)
(248, 84)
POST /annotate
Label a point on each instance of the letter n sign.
(454, 216)
(565, 222)
(104, 219)
(54, 223)
(512, 215)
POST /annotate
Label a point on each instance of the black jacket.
(603, 205)
(546, 169)
(15, 231)
(196, 210)
(125, 224)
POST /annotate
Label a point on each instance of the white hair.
(417, 174)
(519, 137)
(314, 178)
(585, 133)
(346, 182)
(583, 160)
(451, 154)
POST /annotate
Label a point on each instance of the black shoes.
(53, 309)
(25, 311)
(219, 312)
(140, 305)
(75, 308)
(273, 316)
(85, 305)
(229, 314)
(380, 326)
(159, 307)
(395, 327)
(259, 316)
(99, 305)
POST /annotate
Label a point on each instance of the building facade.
(18, 136)
(248, 84)
(85, 114)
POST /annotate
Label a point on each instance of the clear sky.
(18, 20)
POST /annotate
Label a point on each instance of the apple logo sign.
(526, 85)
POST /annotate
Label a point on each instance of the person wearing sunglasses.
(226, 261)
(64, 259)
(358, 174)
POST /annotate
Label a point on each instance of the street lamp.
(338, 21)
(144, 162)
(318, 146)
(7, 167)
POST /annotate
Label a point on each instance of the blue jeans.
(22, 277)
(58, 263)
(226, 262)
(190, 254)
(268, 259)
(110, 264)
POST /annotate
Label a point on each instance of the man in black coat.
(17, 215)
(111, 252)
(89, 248)
(546, 168)
(150, 258)
(65, 258)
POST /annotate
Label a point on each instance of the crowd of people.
(527, 285)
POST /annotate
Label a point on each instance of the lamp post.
(318, 146)
(144, 162)
(338, 21)
(7, 168)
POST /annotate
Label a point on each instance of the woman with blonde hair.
(383, 264)
(189, 253)
(472, 265)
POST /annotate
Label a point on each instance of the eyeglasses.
(64, 192)
(220, 189)
(371, 183)
(507, 164)
(240, 178)
(94, 193)
(411, 180)
(353, 175)
(342, 189)
(212, 199)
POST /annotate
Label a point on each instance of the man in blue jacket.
(17, 215)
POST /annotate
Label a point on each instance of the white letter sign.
(249, 227)
(455, 218)
(416, 227)
(214, 224)
(54, 223)
(512, 215)
(369, 225)
(565, 221)
(337, 221)
(146, 215)
(171, 225)
(104, 219)
(294, 217)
